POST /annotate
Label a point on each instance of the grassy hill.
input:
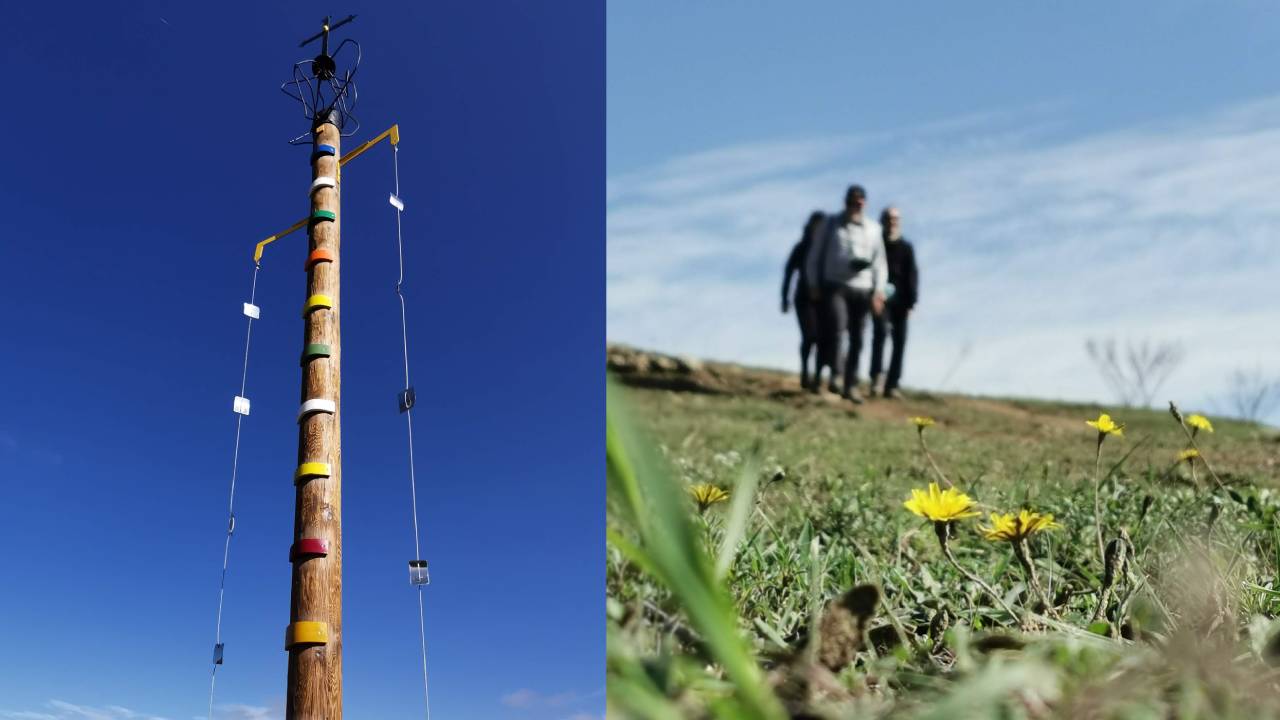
(712, 611)
(704, 409)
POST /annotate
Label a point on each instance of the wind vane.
(322, 89)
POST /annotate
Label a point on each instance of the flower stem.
(1191, 438)
(1097, 504)
(941, 529)
(929, 456)
(1024, 558)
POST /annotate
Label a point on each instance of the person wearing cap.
(904, 283)
(848, 274)
(806, 310)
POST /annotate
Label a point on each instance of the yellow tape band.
(306, 632)
(311, 469)
(316, 302)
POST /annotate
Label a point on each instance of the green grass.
(707, 613)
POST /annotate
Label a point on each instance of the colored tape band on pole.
(322, 150)
(315, 350)
(319, 215)
(306, 632)
(323, 181)
(318, 255)
(315, 302)
(308, 548)
(316, 405)
(311, 470)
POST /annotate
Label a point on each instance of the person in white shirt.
(848, 274)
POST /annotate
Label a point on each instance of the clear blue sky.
(1065, 171)
(145, 154)
(687, 76)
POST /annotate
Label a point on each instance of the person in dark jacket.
(806, 311)
(904, 278)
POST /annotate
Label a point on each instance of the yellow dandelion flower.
(1017, 527)
(706, 495)
(1200, 422)
(1106, 426)
(922, 421)
(941, 505)
(1188, 455)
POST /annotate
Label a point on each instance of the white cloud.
(525, 698)
(1029, 242)
(63, 710)
(521, 698)
(247, 712)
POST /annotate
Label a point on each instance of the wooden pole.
(315, 668)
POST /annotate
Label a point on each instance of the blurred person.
(806, 309)
(847, 273)
(903, 292)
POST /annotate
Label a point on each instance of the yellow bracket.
(392, 132)
(257, 250)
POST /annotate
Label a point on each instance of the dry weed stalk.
(1115, 568)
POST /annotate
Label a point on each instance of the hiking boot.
(876, 386)
(853, 396)
(893, 394)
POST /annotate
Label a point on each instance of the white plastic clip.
(252, 311)
(240, 405)
(396, 202)
(322, 182)
(418, 574)
(316, 405)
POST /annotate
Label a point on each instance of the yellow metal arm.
(257, 250)
(392, 132)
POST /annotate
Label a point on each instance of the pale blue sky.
(1064, 173)
(685, 77)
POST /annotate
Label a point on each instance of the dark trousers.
(807, 318)
(844, 311)
(892, 322)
